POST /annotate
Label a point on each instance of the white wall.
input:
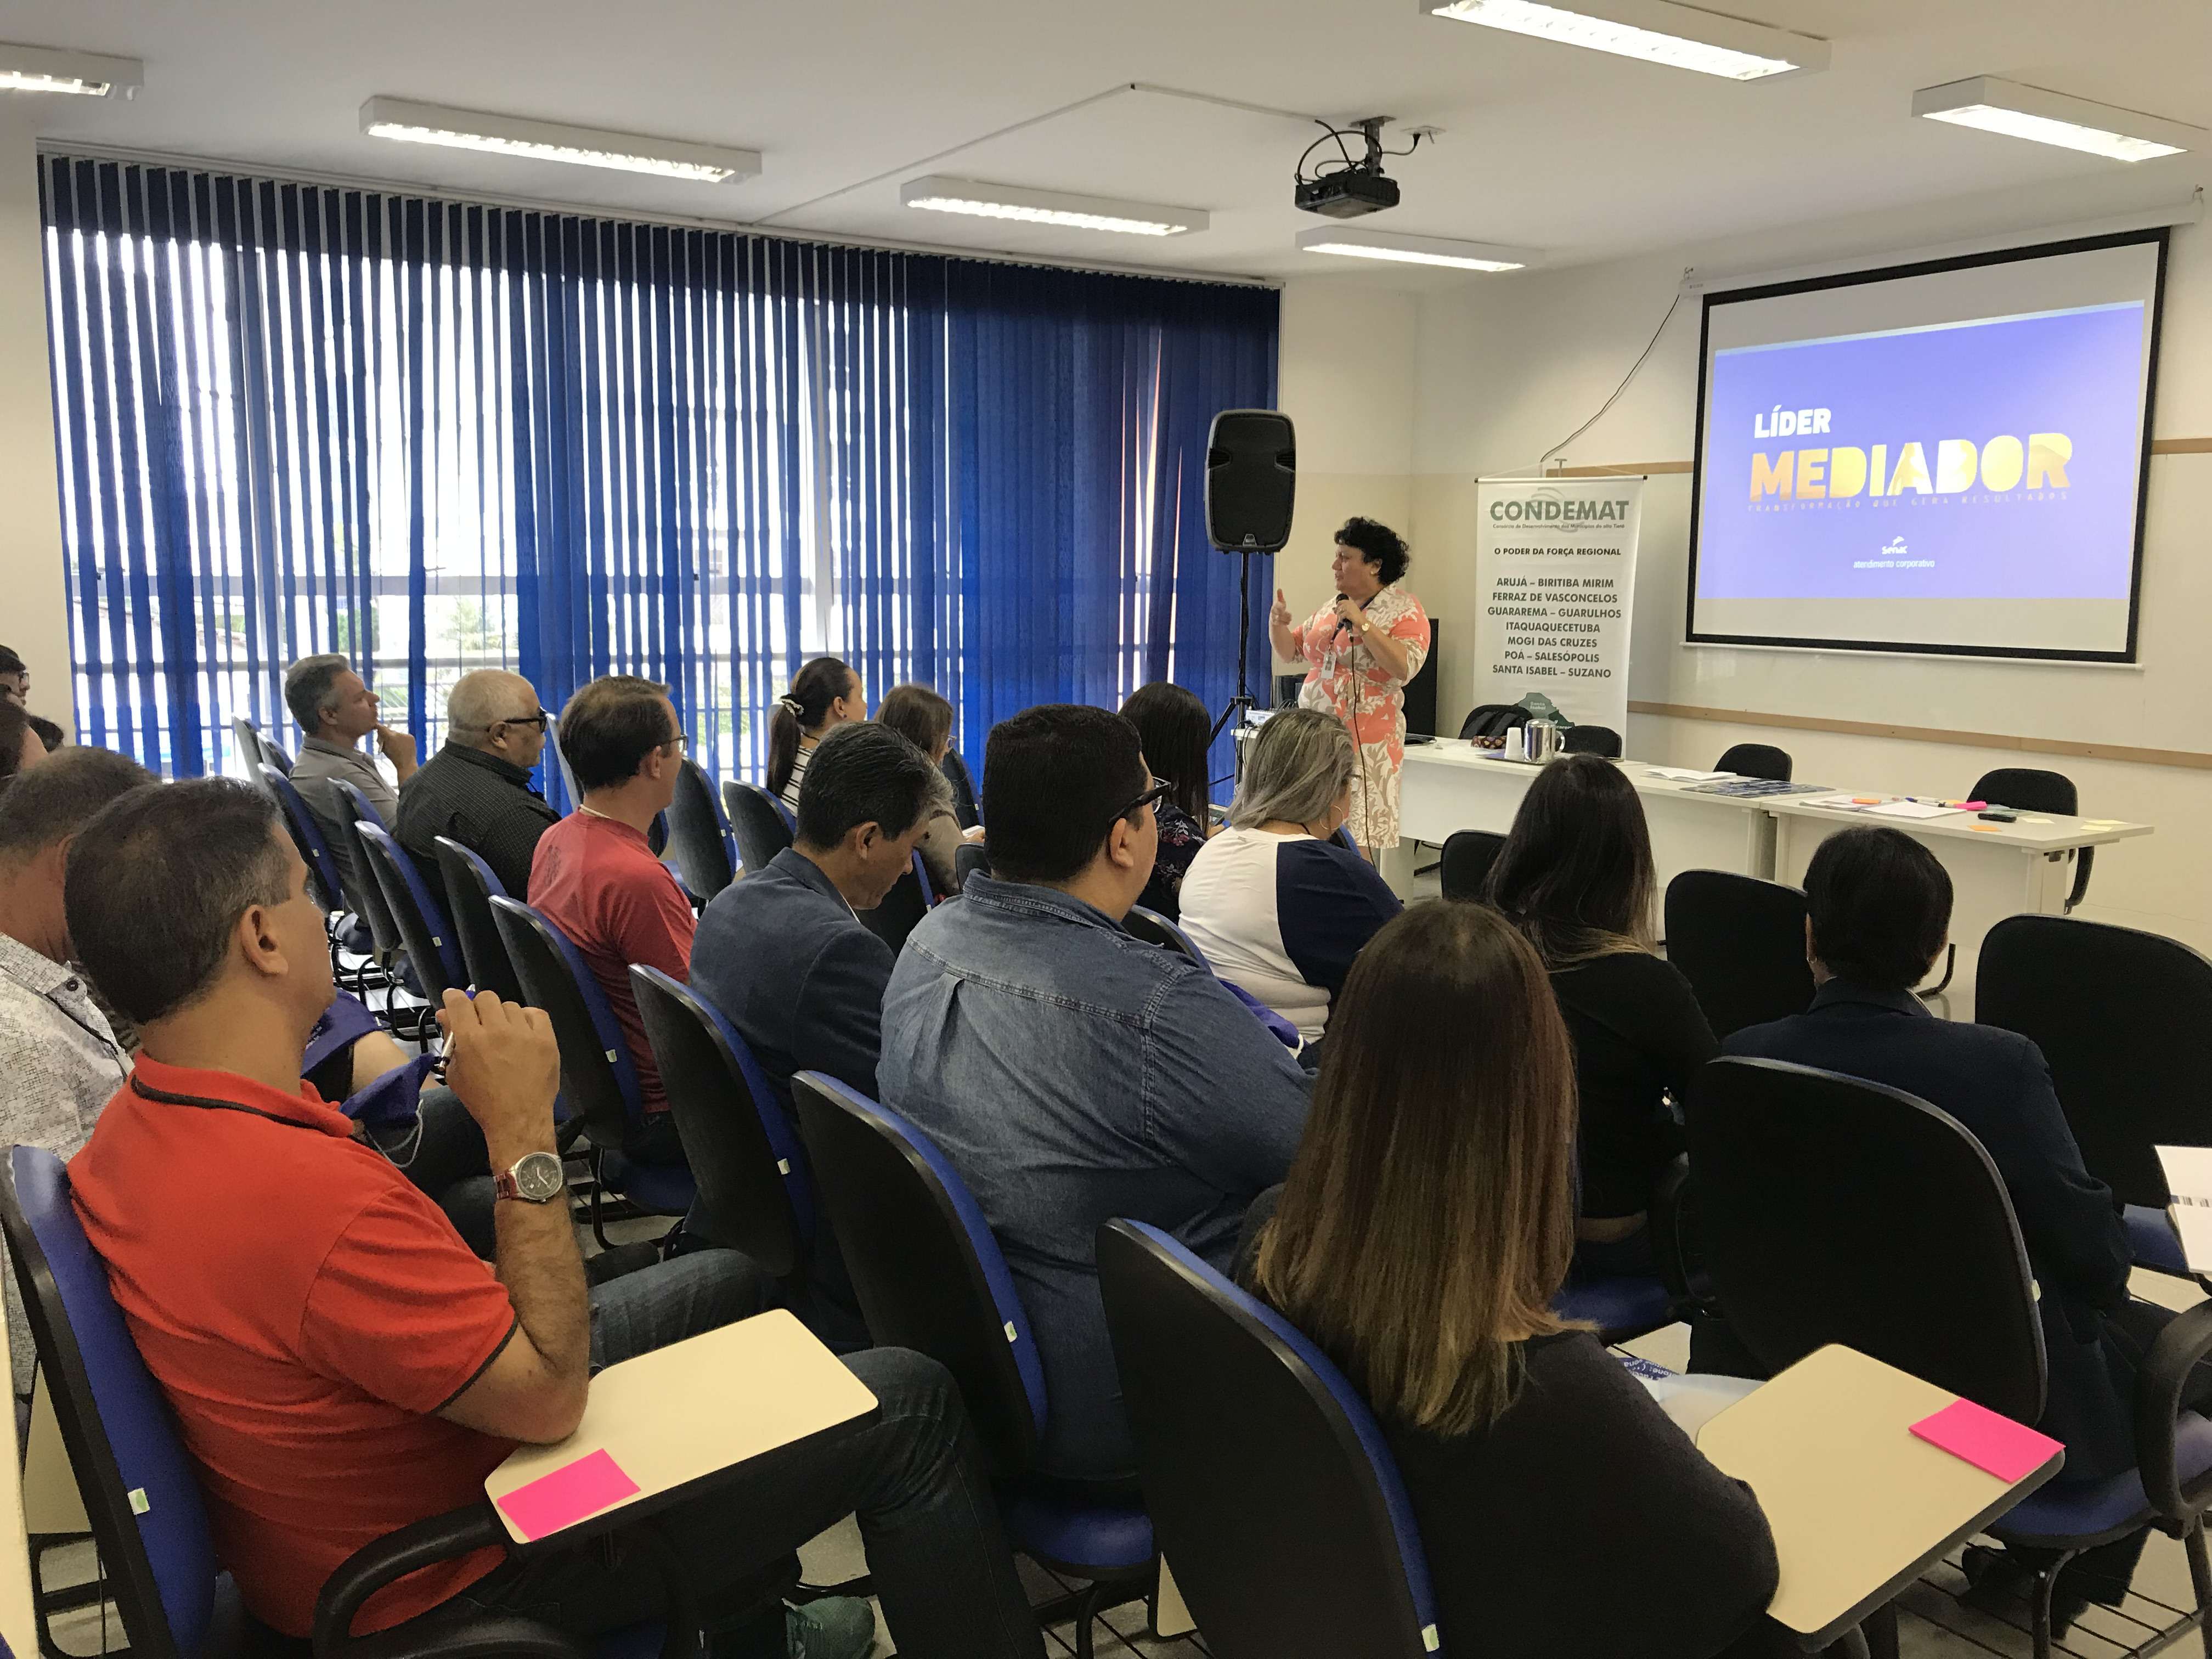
(1347, 381)
(1512, 365)
(33, 616)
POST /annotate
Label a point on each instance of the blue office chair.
(903, 907)
(142, 1493)
(758, 821)
(433, 950)
(1343, 838)
(1154, 928)
(930, 1276)
(1266, 1474)
(348, 933)
(706, 852)
(1836, 1210)
(471, 886)
(598, 1080)
(963, 789)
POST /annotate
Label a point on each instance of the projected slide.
(1964, 474)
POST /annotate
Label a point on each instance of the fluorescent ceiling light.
(1397, 247)
(547, 141)
(1049, 207)
(41, 68)
(1655, 31)
(2052, 118)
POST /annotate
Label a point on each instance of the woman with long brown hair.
(823, 695)
(1575, 878)
(1423, 1231)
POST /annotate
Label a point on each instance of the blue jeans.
(936, 1553)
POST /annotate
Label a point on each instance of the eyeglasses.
(539, 719)
(678, 741)
(1160, 791)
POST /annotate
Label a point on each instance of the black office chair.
(903, 907)
(2125, 1020)
(2030, 789)
(758, 821)
(1266, 1475)
(245, 740)
(971, 857)
(755, 1192)
(348, 932)
(471, 886)
(931, 1277)
(1741, 943)
(1468, 854)
(706, 852)
(1154, 928)
(963, 789)
(599, 1079)
(1756, 760)
(1838, 1211)
(434, 951)
(1493, 719)
(1599, 740)
(354, 870)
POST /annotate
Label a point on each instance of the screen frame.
(2158, 234)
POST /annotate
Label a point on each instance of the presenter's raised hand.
(1280, 615)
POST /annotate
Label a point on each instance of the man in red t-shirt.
(341, 1364)
(594, 876)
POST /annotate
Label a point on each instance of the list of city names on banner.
(1555, 570)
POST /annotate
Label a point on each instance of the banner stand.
(1555, 583)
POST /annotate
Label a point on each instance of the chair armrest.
(2186, 1339)
(463, 1636)
(424, 1543)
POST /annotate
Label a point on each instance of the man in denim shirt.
(1072, 1074)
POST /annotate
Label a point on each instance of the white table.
(1996, 870)
(1859, 1505)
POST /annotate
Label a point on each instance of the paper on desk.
(1836, 803)
(2189, 1178)
(1684, 775)
(1909, 809)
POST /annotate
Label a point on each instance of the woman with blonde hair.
(1420, 1239)
(1278, 904)
(1575, 878)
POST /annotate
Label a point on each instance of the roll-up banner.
(1555, 575)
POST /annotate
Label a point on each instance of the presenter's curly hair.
(1379, 545)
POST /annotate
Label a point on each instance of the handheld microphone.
(1342, 623)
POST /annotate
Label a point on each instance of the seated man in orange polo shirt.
(339, 1362)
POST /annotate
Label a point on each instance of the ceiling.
(1582, 154)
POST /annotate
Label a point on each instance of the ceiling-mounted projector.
(1346, 188)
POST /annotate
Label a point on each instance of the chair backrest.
(1268, 1482)
(2031, 789)
(1834, 1210)
(963, 789)
(699, 835)
(471, 886)
(324, 881)
(1756, 760)
(1493, 719)
(903, 907)
(598, 1080)
(971, 857)
(428, 939)
(245, 737)
(1468, 856)
(2125, 1020)
(357, 874)
(1601, 740)
(567, 777)
(1741, 943)
(273, 752)
(1154, 928)
(755, 1192)
(928, 1273)
(756, 820)
(139, 1488)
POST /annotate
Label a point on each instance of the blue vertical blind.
(436, 436)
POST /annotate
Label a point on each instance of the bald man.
(477, 789)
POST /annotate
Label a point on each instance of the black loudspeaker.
(1421, 689)
(1251, 475)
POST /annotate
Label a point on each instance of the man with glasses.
(595, 878)
(476, 789)
(1072, 1072)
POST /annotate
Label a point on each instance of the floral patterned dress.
(1347, 681)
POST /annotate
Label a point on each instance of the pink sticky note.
(1996, 1445)
(568, 1495)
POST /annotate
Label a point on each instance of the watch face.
(538, 1177)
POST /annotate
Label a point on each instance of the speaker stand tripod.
(1240, 706)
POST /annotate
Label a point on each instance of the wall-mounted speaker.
(1251, 478)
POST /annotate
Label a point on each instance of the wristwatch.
(536, 1178)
